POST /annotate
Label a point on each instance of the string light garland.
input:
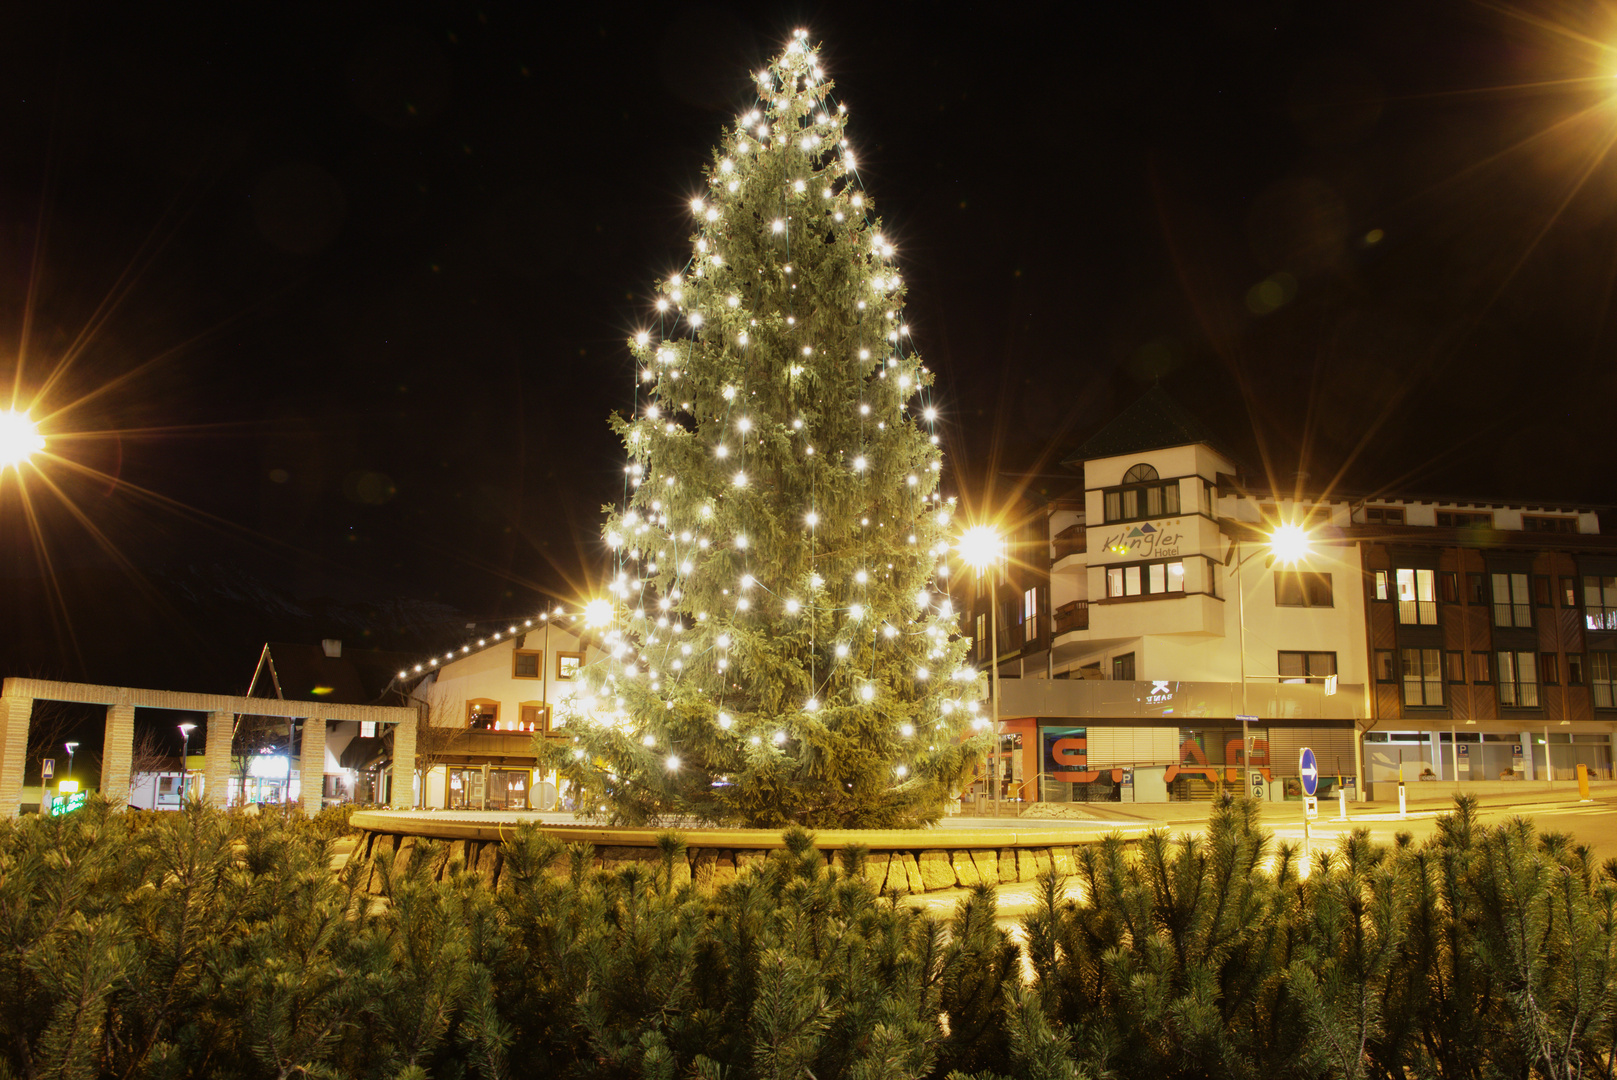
(553, 616)
(767, 643)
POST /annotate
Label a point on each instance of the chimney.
(333, 647)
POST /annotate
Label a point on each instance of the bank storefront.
(1176, 745)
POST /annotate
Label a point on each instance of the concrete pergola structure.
(18, 695)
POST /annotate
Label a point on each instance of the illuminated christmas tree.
(782, 645)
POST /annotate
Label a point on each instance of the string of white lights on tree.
(780, 646)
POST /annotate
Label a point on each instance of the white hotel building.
(1140, 618)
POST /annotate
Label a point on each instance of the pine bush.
(217, 944)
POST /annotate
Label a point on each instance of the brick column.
(118, 755)
(14, 715)
(403, 766)
(312, 765)
(216, 758)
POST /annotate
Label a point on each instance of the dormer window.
(1142, 495)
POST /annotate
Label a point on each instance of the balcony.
(1188, 702)
(1073, 540)
(1072, 616)
(1418, 612)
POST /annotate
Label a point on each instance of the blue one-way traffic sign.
(1309, 770)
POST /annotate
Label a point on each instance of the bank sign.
(1145, 539)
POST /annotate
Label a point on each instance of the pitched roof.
(306, 673)
(1155, 421)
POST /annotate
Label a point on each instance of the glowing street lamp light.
(1289, 543)
(982, 548)
(185, 753)
(70, 747)
(597, 613)
(20, 439)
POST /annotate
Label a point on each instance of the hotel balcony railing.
(1189, 703)
(1417, 612)
(1072, 540)
(1073, 615)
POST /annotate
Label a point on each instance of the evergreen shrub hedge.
(208, 944)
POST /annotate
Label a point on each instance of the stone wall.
(903, 871)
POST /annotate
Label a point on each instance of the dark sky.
(334, 299)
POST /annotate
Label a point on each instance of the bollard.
(1403, 806)
(1341, 802)
(1583, 784)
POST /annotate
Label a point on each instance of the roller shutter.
(1333, 749)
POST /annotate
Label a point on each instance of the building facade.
(1142, 615)
(484, 704)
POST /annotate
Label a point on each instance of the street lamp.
(70, 747)
(19, 439)
(1288, 544)
(185, 753)
(982, 548)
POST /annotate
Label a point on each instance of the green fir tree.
(783, 648)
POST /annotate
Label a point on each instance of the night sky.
(333, 301)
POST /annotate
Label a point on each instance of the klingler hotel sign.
(1146, 540)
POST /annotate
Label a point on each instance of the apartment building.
(1143, 614)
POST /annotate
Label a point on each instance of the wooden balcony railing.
(1073, 615)
(1069, 541)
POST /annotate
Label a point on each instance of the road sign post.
(1260, 788)
(47, 768)
(1308, 770)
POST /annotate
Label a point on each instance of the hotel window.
(1549, 672)
(1139, 498)
(1302, 588)
(568, 665)
(1600, 603)
(367, 729)
(1542, 594)
(1384, 666)
(1296, 667)
(482, 715)
(1123, 667)
(536, 718)
(1476, 588)
(1383, 584)
(1454, 667)
(1518, 679)
(527, 664)
(1030, 606)
(982, 636)
(1417, 597)
(1384, 515)
(1452, 519)
(1569, 592)
(1556, 523)
(1423, 676)
(1603, 679)
(1148, 579)
(1448, 587)
(1479, 668)
(1574, 669)
(1512, 604)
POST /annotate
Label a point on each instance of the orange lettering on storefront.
(1072, 751)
